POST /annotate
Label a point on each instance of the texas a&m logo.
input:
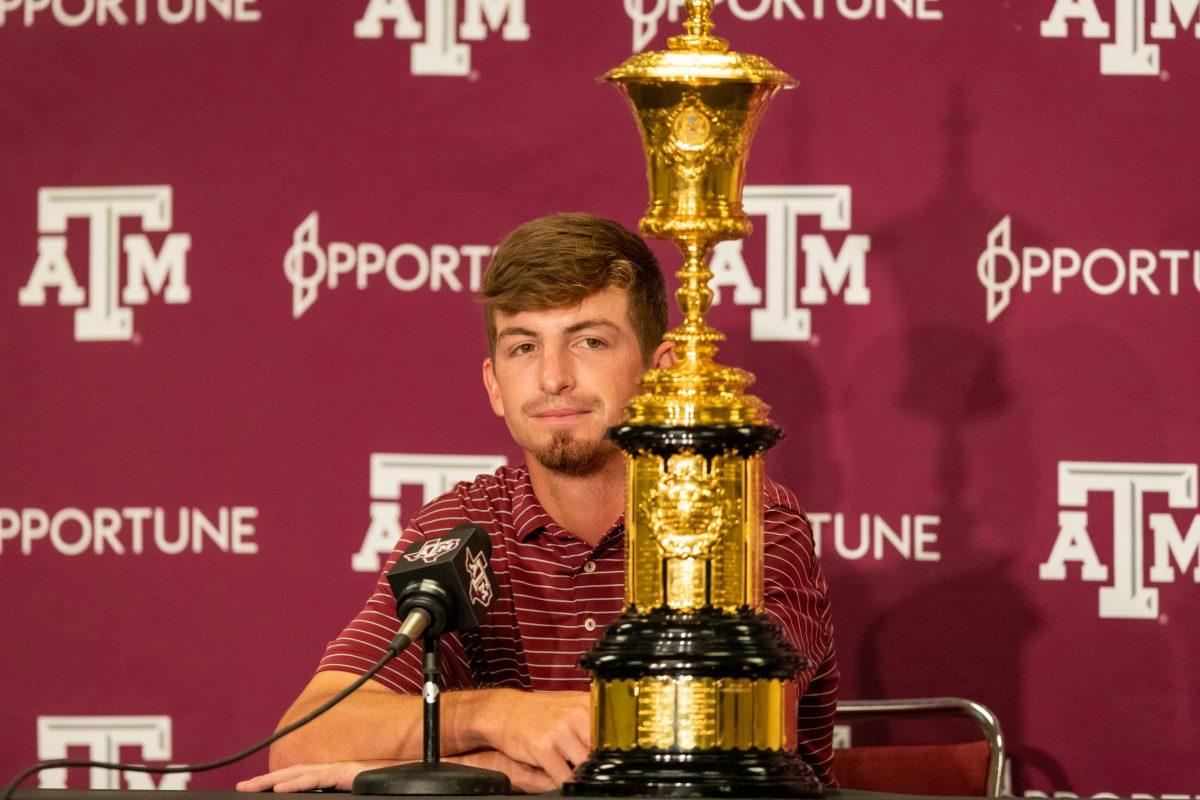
(432, 549)
(481, 586)
(1127, 49)
(823, 271)
(442, 50)
(164, 273)
(435, 474)
(104, 737)
(1126, 596)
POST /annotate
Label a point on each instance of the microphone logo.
(433, 549)
(481, 587)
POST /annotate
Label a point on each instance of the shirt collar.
(529, 517)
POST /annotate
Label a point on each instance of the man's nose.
(557, 375)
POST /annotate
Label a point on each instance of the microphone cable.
(403, 639)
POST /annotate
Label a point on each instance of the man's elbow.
(301, 746)
(289, 751)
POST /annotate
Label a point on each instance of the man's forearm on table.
(377, 723)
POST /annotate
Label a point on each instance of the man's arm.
(795, 597)
(548, 731)
(383, 720)
(372, 723)
(341, 775)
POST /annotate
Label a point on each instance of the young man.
(575, 311)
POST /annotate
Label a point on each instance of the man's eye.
(522, 349)
(592, 343)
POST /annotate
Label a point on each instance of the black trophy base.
(705, 773)
(430, 779)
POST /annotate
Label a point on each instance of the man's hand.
(340, 775)
(307, 777)
(525, 778)
(550, 731)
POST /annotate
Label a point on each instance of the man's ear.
(663, 356)
(493, 388)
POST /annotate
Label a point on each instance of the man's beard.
(568, 455)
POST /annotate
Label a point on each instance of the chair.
(970, 769)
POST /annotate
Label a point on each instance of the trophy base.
(704, 773)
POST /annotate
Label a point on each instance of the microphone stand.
(431, 776)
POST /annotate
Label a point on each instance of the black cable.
(394, 649)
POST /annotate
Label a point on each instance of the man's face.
(561, 377)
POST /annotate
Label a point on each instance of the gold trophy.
(693, 689)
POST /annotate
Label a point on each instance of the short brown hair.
(558, 260)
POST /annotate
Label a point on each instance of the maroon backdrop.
(239, 341)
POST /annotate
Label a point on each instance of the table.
(125, 794)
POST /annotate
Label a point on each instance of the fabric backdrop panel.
(240, 343)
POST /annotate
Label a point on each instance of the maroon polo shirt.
(557, 594)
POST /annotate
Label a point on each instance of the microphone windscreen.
(460, 562)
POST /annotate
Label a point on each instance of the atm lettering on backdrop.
(435, 474)
(104, 737)
(146, 272)
(1175, 547)
(1127, 49)
(441, 50)
(824, 270)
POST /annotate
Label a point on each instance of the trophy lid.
(690, 66)
(698, 57)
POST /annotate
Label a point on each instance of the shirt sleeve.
(795, 597)
(366, 638)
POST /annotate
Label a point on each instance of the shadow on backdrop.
(962, 633)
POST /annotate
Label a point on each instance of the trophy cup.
(693, 690)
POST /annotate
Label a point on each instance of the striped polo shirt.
(557, 594)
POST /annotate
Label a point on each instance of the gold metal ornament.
(684, 538)
(686, 509)
(697, 106)
(694, 689)
(725, 713)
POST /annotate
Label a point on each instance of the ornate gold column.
(693, 691)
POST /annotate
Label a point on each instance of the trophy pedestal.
(698, 704)
(720, 773)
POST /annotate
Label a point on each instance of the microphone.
(444, 584)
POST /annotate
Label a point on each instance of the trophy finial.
(699, 14)
(698, 30)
